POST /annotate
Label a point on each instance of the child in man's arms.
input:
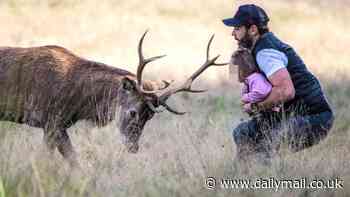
(255, 85)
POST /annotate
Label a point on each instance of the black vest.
(309, 97)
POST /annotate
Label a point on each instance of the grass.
(177, 153)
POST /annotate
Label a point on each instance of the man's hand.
(247, 107)
(243, 101)
(250, 108)
(282, 89)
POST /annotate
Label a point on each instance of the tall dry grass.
(177, 153)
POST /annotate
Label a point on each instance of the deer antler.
(186, 87)
(142, 64)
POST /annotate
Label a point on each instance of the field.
(177, 153)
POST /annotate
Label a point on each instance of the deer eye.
(128, 85)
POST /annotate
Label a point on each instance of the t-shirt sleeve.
(271, 60)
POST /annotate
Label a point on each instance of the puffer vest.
(309, 97)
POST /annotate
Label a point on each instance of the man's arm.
(282, 89)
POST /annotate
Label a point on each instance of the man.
(306, 117)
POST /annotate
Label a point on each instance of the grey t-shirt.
(271, 60)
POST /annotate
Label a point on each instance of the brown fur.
(51, 88)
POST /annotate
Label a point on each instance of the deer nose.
(134, 148)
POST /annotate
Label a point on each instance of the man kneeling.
(305, 117)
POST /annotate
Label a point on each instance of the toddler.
(255, 85)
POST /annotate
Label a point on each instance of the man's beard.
(246, 42)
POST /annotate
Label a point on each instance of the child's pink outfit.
(255, 89)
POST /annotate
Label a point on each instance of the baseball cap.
(247, 14)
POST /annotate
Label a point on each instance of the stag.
(51, 88)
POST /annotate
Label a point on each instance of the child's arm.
(244, 90)
(259, 89)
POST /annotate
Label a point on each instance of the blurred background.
(176, 153)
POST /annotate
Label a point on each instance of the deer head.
(139, 101)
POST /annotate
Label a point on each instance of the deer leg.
(65, 147)
(59, 138)
(49, 140)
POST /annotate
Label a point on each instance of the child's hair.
(245, 61)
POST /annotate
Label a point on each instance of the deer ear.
(128, 84)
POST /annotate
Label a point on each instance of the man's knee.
(328, 120)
